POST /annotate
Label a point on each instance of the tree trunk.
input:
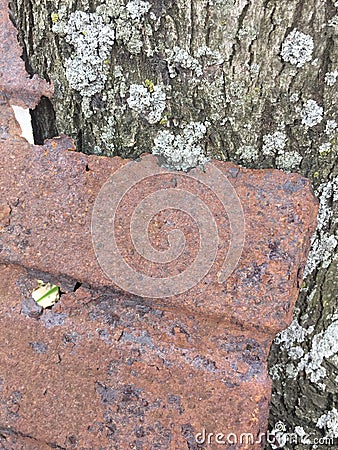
(253, 82)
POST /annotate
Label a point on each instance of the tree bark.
(253, 82)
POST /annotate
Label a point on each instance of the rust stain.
(15, 83)
(5, 212)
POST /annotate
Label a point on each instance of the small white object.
(23, 116)
(182, 151)
(297, 48)
(331, 78)
(311, 114)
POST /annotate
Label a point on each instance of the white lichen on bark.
(92, 39)
(295, 334)
(179, 57)
(184, 150)
(311, 114)
(329, 423)
(331, 78)
(288, 160)
(247, 153)
(331, 126)
(149, 103)
(297, 48)
(324, 243)
(274, 143)
(324, 345)
(128, 20)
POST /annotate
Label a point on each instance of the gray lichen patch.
(247, 32)
(92, 39)
(329, 422)
(128, 20)
(288, 160)
(324, 345)
(295, 334)
(297, 48)
(311, 114)
(247, 153)
(323, 348)
(273, 143)
(324, 242)
(182, 151)
(148, 101)
(210, 57)
(333, 22)
(324, 148)
(331, 77)
(179, 57)
(330, 127)
(107, 133)
(222, 3)
(137, 9)
(91, 36)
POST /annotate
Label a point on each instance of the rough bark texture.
(253, 82)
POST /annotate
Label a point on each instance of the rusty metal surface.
(51, 193)
(17, 85)
(105, 368)
(103, 372)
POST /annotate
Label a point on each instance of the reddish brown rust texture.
(51, 192)
(105, 369)
(14, 80)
